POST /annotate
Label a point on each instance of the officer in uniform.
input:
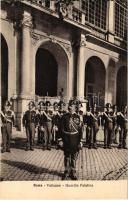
(48, 124)
(7, 121)
(61, 106)
(122, 121)
(71, 136)
(30, 122)
(41, 120)
(56, 124)
(91, 121)
(107, 123)
(96, 124)
(115, 127)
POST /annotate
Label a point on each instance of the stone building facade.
(47, 46)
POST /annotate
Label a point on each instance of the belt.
(8, 122)
(48, 121)
(70, 133)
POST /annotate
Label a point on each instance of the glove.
(80, 145)
(42, 129)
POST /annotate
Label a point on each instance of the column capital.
(27, 20)
(82, 40)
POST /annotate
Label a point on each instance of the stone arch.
(60, 57)
(95, 81)
(4, 69)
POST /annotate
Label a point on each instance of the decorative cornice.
(39, 37)
(36, 37)
(67, 47)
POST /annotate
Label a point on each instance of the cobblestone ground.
(100, 164)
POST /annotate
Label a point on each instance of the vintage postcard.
(63, 97)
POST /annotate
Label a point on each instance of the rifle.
(93, 116)
(109, 119)
(5, 118)
(46, 115)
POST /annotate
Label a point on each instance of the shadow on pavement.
(31, 168)
(18, 143)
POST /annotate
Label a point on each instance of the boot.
(73, 175)
(65, 176)
(3, 150)
(8, 150)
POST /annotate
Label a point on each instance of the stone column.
(26, 54)
(111, 20)
(70, 81)
(81, 68)
(26, 92)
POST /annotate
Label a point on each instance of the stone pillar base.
(20, 105)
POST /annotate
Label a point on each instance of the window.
(120, 18)
(95, 12)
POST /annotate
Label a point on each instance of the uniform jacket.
(71, 131)
(107, 119)
(122, 120)
(114, 118)
(7, 116)
(30, 117)
(56, 119)
(41, 118)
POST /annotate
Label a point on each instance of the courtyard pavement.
(39, 165)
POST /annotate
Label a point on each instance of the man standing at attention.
(7, 121)
(30, 122)
(71, 136)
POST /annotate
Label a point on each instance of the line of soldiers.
(72, 125)
(111, 121)
(46, 120)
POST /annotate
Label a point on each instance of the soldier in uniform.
(107, 123)
(71, 136)
(96, 124)
(41, 120)
(30, 122)
(48, 124)
(56, 124)
(7, 121)
(122, 121)
(115, 127)
(61, 106)
(91, 120)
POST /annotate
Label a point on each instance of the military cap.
(31, 103)
(41, 103)
(48, 103)
(71, 103)
(108, 105)
(55, 104)
(79, 103)
(8, 103)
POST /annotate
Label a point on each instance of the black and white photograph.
(63, 90)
